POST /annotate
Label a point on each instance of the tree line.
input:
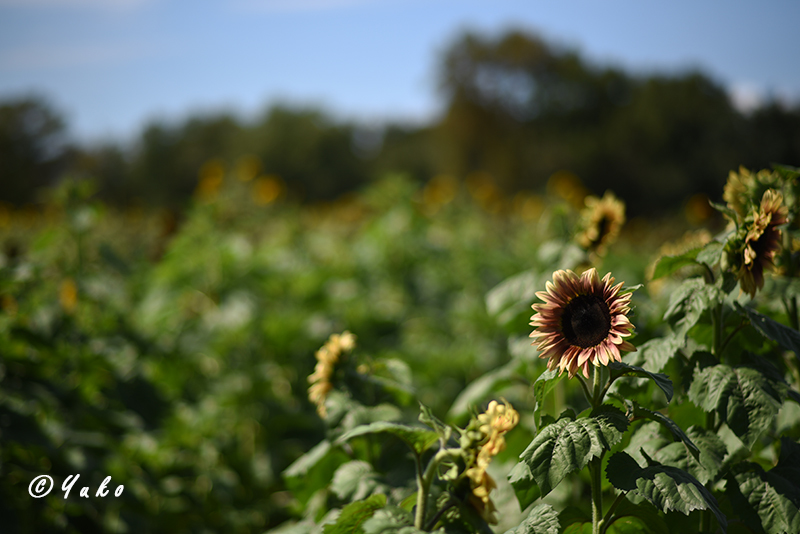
(516, 109)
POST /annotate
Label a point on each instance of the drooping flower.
(327, 357)
(494, 423)
(746, 188)
(600, 222)
(582, 321)
(762, 242)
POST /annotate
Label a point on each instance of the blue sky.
(111, 65)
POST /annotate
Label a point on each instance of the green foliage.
(542, 519)
(667, 488)
(743, 397)
(568, 444)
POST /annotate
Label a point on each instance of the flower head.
(582, 320)
(745, 188)
(762, 241)
(600, 222)
(327, 357)
(494, 423)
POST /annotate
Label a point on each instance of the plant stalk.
(595, 468)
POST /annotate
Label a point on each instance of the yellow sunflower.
(600, 222)
(762, 242)
(582, 320)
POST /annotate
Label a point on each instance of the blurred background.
(655, 102)
(194, 196)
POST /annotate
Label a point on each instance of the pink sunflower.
(583, 320)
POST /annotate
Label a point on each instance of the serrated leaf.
(725, 210)
(743, 398)
(568, 444)
(390, 520)
(657, 352)
(635, 411)
(667, 488)
(619, 369)
(525, 488)
(354, 515)
(418, 438)
(704, 465)
(766, 500)
(688, 303)
(541, 388)
(711, 253)
(314, 470)
(669, 264)
(426, 417)
(354, 480)
(543, 519)
(786, 337)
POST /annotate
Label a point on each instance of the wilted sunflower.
(583, 320)
(745, 188)
(494, 423)
(762, 241)
(327, 357)
(600, 222)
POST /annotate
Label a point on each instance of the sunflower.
(745, 188)
(583, 320)
(494, 423)
(600, 222)
(762, 241)
(327, 357)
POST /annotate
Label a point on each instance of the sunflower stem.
(585, 387)
(597, 391)
(595, 468)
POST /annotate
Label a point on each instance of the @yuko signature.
(43, 485)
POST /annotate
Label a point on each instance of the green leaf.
(688, 302)
(711, 253)
(635, 411)
(426, 417)
(568, 444)
(363, 415)
(314, 470)
(541, 388)
(390, 520)
(525, 488)
(657, 352)
(669, 264)
(513, 296)
(742, 397)
(418, 438)
(354, 515)
(725, 210)
(543, 519)
(619, 369)
(704, 465)
(667, 488)
(354, 481)
(786, 337)
(481, 389)
(769, 500)
(633, 518)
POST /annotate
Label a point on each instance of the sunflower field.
(407, 358)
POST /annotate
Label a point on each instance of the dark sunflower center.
(603, 226)
(586, 321)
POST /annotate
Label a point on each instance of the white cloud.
(746, 96)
